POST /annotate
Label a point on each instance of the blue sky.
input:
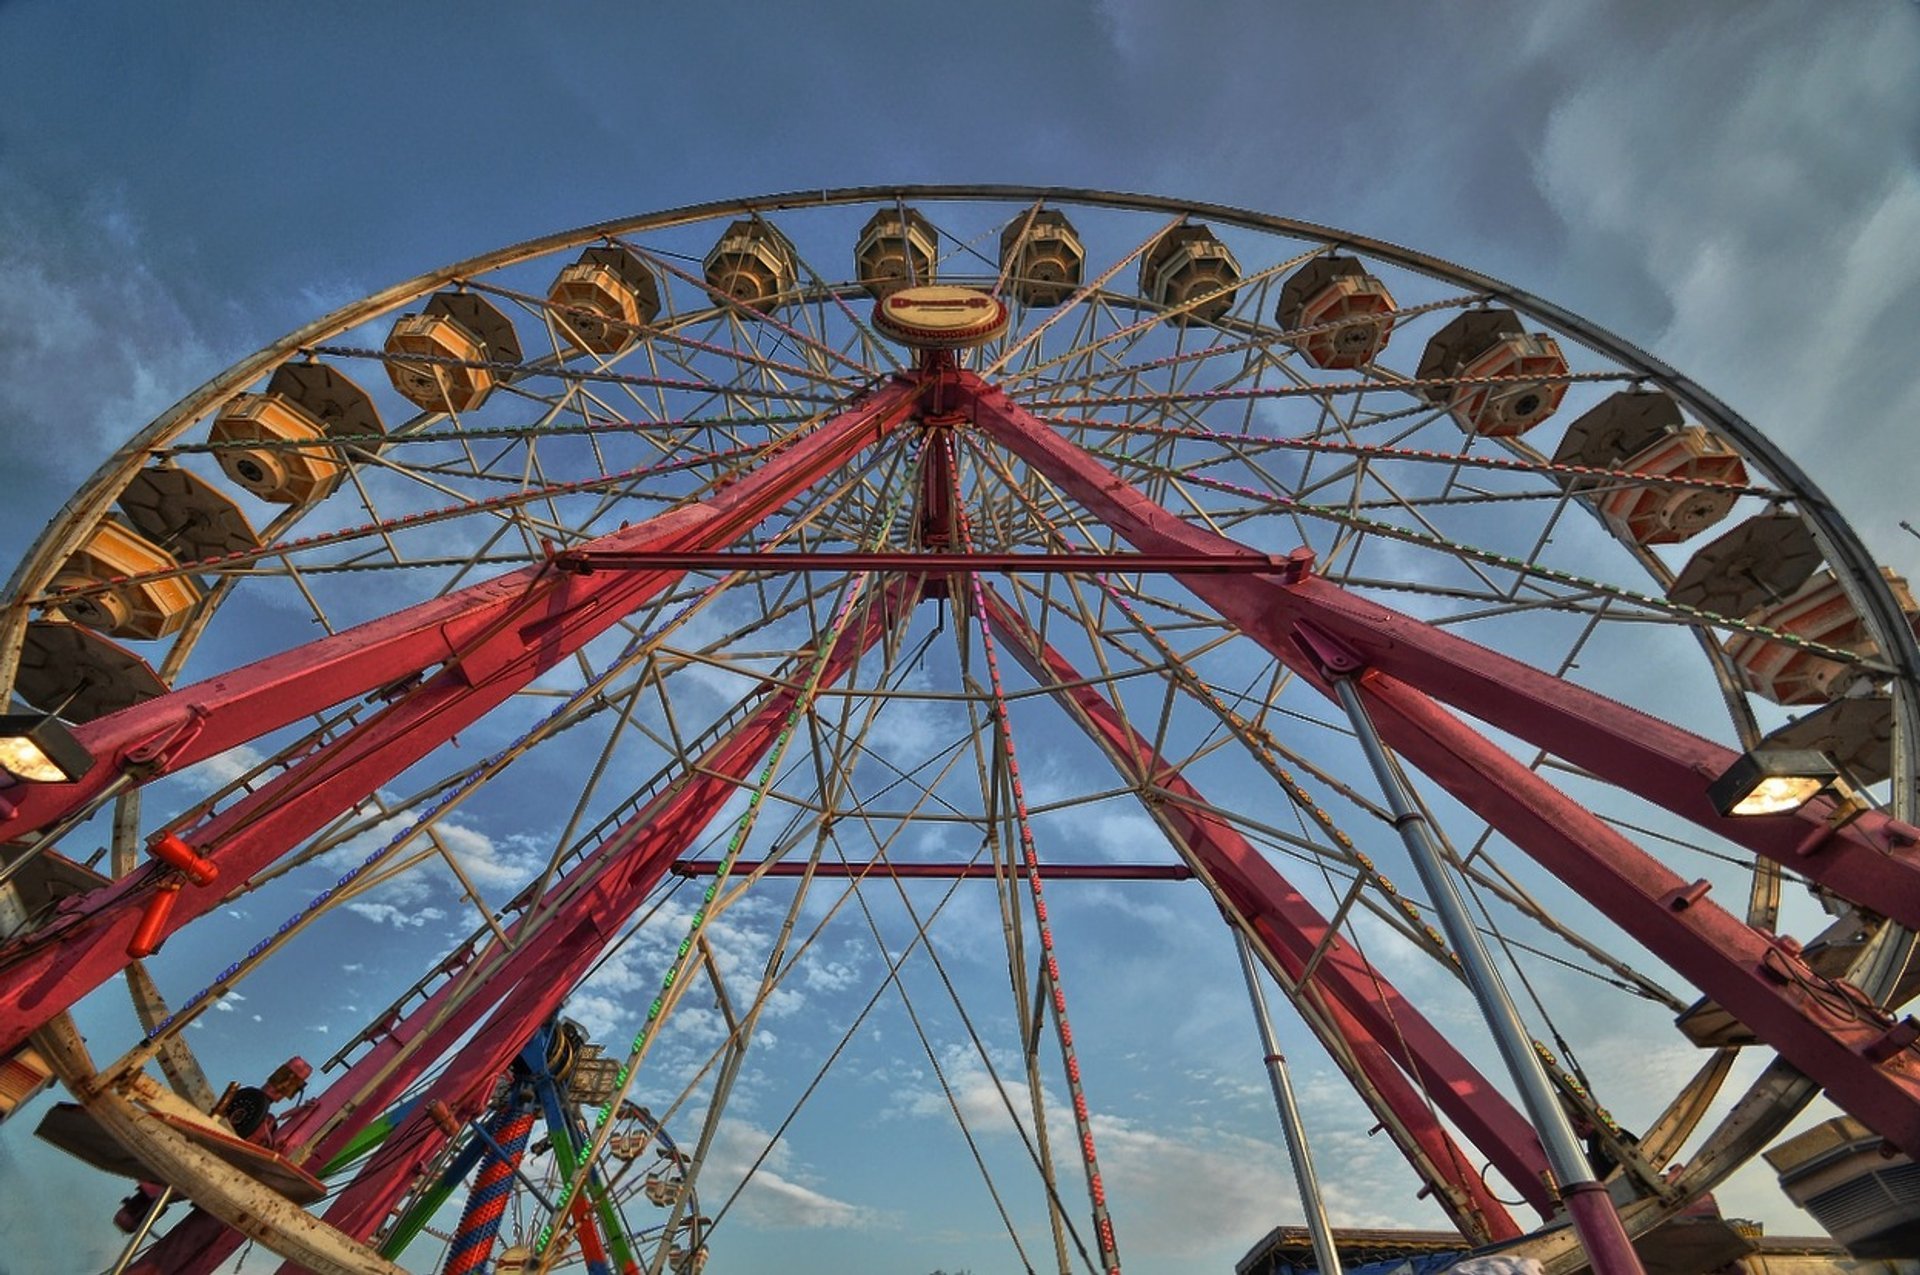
(1733, 186)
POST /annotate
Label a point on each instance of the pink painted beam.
(239, 705)
(881, 870)
(1860, 1057)
(1874, 862)
(588, 561)
(506, 634)
(1452, 1177)
(1291, 931)
(1860, 1060)
(543, 973)
(599, 896)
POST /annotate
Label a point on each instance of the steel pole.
(1588, 1205)
(145, 1228)
(1325, 1256)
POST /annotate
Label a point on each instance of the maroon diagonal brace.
(1864, 1064)
(487, 642)
(526, 983)
(1374, 1020)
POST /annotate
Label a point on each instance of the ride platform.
(69, 1126)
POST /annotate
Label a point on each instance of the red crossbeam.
(1814, 1024)
(1372, 1018)
(488, 641)
(944, 871)
(588, 561)
(1874, 861)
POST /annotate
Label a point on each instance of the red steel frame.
(490, 640)
(525, 980)
(1865, 1061)
(542, 974)
(487, 641)
(1369, 1015)
(589, 560)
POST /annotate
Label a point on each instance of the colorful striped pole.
(487, 1202)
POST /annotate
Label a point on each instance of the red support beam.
(1860, 1056)
(882, 869)
(528, 982)
(1403, 1110)
(542, 974)
(1821, 1027)
(1370, 1011)
(588, 561)
(1874, 861)
(490, 640)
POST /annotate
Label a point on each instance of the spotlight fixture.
(1773, 781)
(36, 748)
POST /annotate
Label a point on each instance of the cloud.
(781, 1194)
(501, 864)
(829, 976)
(399, 917)
(221, 769)
(97, 343)
(1177, 1190)
(611, 1002)
(429, 892)
(1759, 174)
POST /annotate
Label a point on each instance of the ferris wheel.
(832, 559)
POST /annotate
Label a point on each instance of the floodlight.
(1772, 781)
(36, 748)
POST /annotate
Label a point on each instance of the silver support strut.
(145, 1228)
(1588, 1205)
(1324, 1255)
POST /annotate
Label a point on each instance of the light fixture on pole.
(1775, 781)
(37, 748)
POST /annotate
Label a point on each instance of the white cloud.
(223, 768)
(1778, 221)
(782, 1193)
(829, 976)
(603, 1016)
(429, 891)
(502, 865)
(400, 917)
(612, 1001)
(1191, 1188)
(97, 342)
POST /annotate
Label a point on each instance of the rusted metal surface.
(214, 1186)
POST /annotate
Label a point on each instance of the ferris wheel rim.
(1843, 546)
(1862, 578)
(1842, 550)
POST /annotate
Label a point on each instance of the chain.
(1083, 1125)
(1394, 531)
(507, 367)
